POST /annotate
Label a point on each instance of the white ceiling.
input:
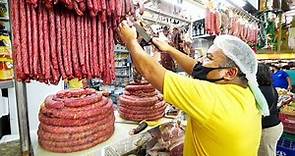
(254, 3)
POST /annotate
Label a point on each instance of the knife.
(147, 38)
(142, 33)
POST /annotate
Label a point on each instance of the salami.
(108, 122)
(69, 122)
(112, 51)
(87, 52)
(64, 44)
(82, 6)
(147, 87)
(127, 6)
(75, 58)
(76, 129)
(147, 101)
(89, 4)
(95, 45)
(69, 48)
(95, 7)
(106, 73)
(41, 40)
(100, 45)
(23, 38)
(78, 102)
(53, 40)
(16, 40)
(112, 6)
(141, 102)
(103, 4)
(35, 42)
(90, 43)
(79, 45)
(80, 141)
(59, 45)
(73, 118)
(68, 149)
(46, 44)
(118, 8)
(141, 117)
(30, 42)
(50, 103)
(141, 93)
(83, 50)
(109, 11)
(159, 105)
(98, 108)
(145, 113)
(76, 93)
(123, 5)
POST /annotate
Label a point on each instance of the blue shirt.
(280, 79)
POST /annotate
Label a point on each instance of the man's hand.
(162, 45)
(127, 33)
(289, 88)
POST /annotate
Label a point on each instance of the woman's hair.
(264, 75)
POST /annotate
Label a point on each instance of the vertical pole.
(23, 120)
(280, 28)
(22, 108)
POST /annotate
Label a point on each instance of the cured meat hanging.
(52, 42)
(141, 102)
(218, 23)
(75, 120)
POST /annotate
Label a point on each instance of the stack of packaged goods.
(6, 64)
(287, 114)
(287, 117)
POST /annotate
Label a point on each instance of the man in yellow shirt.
(224, 119)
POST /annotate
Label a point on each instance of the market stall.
(56, 42)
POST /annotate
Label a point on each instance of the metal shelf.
(204, 36)
(157, 11)
(122, 76)
(122, 67)
(6, 84)
(121, 51)
(4, 19)
(121, 59)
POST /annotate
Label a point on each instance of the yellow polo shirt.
(223, 119)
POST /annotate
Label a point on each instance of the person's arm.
(151, 70)
(187, 63)
(289, 83)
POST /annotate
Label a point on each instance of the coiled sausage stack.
(75, 120)
(141, 101)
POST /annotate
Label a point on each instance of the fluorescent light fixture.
(240, 3)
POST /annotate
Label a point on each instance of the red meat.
(89, 142)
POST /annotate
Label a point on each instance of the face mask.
(200, 72)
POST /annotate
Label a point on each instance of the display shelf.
(121, 59)
(204, 36)
(4, 19)
(157, 11)
(119, 67)
(122, 76)
(121, 51)
(6, 84)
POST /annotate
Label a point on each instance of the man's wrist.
(131, 42)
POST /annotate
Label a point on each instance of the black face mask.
(200, 72)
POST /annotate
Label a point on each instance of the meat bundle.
(51, 42)
(217, 23)
(92, 7)
(75, 120)
(140, 102)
